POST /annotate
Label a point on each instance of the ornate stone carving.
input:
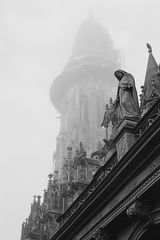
(141, 227)
(154, 115)
(104, 150)
(121, 207)
(151, 89)
(124, 144)
(110, 119)
(138, 210)
(125, 105)
(101, 234)
(127, 100)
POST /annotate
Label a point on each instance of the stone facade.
(81, 91)
(122, 201)
(114, 193)
(79, 95)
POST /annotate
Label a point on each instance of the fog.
(36, 37)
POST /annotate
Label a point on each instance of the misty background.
(36, 38)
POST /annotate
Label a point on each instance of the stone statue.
(110, 117)
(126, 103)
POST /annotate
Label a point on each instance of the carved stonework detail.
(121, 146)
(154, 115)
(138, 211)
(142, 226)
(110, 120)
(124, 144)
(104, 150)
(151, 89)
(148, 183)
(127, 101)
(101, 234)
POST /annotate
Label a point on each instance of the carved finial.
(38, 197)
(81, 148)
(106, 107)
(34, 198)
(149, 47)
(50, 176)
(102, 234)
(55, 176)
(69, 148)
(110, 101)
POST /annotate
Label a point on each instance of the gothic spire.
(152, 69)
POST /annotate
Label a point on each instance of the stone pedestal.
(126, 136)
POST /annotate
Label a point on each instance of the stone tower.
(81, 91)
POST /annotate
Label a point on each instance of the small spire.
(55, 177)
(38, 197)
(149, 47)
(34, 198)
(81, 147)
(50, 176)
(110, 101)
(69, 148)
(106, 107)
(151, 72)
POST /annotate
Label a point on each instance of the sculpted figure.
(111, 115)
(126, 102)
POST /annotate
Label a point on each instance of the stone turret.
(80, 92)
(77, 173)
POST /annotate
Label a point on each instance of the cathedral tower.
(81, 91)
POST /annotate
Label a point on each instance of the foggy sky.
(36, 38)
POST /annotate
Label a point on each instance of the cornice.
(148, 131)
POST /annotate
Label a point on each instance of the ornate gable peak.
(151, 88)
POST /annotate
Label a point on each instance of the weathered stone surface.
(126, 136)
(127, 100)
(125, 142)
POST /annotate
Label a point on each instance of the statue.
(110, 116)
(126, 103)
